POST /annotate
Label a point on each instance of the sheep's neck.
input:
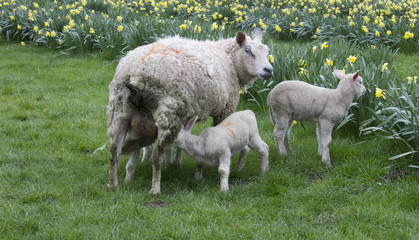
(194, 145)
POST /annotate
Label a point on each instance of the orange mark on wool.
(227, 125)
(160, 49)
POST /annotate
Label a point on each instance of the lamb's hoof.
(112, 186)
(128, 180)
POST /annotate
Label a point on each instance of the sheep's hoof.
(154, 192)
(112, 186)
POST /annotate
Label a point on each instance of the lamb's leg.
(157, 164)
(147, 152)
(116, 149)
(262, 148)
(178, 157)
(280, 131)
(224, 170)
(326, 139)
(198, 171)
(130, 166)
(242, 158)
(168, 156)
(286, 138)
(319, 141)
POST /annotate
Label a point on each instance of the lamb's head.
(354, 80)
(184, 133)
(251, 58)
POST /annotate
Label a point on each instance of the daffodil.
(352, 59)
(324, 45)
(329, 62)
(388, 32)
(22, 43)
(120, 28)
(271, 58)
(384, 67)
(408, 35)
(277, 28)
(119, 18)
(380, 93)
(411, 80)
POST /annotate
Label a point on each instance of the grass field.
(52, 118)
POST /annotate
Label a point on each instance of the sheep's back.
(196, 73)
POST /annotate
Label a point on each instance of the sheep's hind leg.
(326, 139)
(157, 165)
(242, 158)
(116, 150)
(130, 166)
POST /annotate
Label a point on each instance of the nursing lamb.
(215, 146)
(176, 79)
(297, 100)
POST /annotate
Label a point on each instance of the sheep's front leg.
(242, 158)
(130, 166)
(224, 170)
(326, 139)
(116, 150)
(198, 171)
(158, 155)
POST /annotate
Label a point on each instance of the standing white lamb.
(297, 100)
(175, 79)
(215, 146)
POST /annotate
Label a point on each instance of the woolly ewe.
(296, 100)
(175, 79)
(214, 146)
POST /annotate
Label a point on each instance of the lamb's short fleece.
(214, 146)
(297, 100)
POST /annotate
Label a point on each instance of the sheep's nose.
(269, 71)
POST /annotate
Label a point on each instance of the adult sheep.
(176, 79)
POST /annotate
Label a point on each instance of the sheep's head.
(357, 83)
(251, 59)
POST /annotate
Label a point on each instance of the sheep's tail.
(270, 110)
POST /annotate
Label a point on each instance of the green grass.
(52, 118)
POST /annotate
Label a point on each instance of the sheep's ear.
(339, 73)
(356, 75)
(240, 38)
(257, 34)
(190, 123)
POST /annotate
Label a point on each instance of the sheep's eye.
(248, 50)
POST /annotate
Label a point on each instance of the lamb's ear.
(356, 75)
(257, 34)
(240, 38)
(190, 123)
(339, 73)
